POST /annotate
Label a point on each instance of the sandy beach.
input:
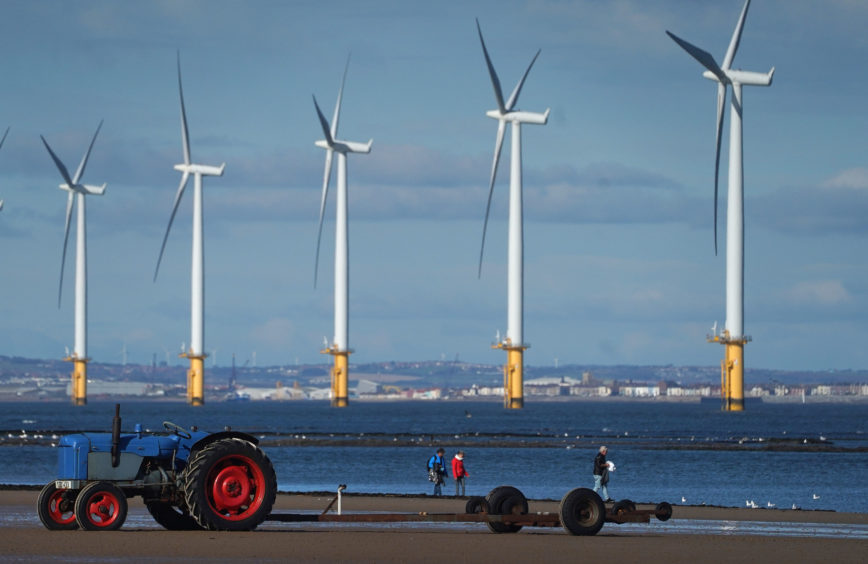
(24, 539)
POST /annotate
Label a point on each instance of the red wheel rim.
(102, 509)
(236, 487)
(60, 508)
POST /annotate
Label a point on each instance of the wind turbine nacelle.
(520, 116)
(203, 170)
(86, 188)
(346, 146)
(744, 77)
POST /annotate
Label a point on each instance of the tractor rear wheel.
(229, 485)
(171, 517)
(101, 506)
(55, 508)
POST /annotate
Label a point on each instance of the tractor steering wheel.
(177, 429)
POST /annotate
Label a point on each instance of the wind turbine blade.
(498, 144)
(60, 166)
(513, 98)
(83, 163)
(4, 137)
(185, 137)
(736, 37)
(721, 102)
(498, 92)
(337, 113)
(325, 190)
(178, 195)
(324, 124)
(704, 57)
(69, 202)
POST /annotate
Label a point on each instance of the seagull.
(770, 504)
(816, 496)
(683, 499)
(753, 504)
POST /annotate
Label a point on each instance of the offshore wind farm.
(616, 267)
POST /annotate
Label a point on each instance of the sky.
(618, 186)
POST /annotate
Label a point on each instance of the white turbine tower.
(733, 337)
(196, 352)
(514, 343)
(340, 346)
(76, 193)
(1, 146)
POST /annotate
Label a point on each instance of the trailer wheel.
(663, 511)
(101, 506)
(505, 500)
(229, 485)
(55, 508)
(171, 517)
(476, 504)
(582, 512)
(623, 506)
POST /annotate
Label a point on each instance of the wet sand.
(24, 539)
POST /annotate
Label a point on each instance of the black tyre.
(229, 485)
(623, 506)
(56, 508)
(476, 504)
(582, 512)
(101, 506)
(171, 517)
(505, 500)
(663, 511)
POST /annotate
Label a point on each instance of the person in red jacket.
(459, 473)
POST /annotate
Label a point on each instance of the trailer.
(504, 510)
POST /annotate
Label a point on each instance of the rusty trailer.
(503, 510)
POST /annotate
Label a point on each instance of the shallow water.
(812, 456)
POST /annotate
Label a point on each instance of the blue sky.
(619, 259)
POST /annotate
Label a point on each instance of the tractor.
(188, 479)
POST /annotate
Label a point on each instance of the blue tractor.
(187, 479)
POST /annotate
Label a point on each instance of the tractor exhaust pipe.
(116, 436)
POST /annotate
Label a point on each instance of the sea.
(811, 456)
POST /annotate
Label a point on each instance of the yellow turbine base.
(196, 380)
(513, 377)
(79, 381)
(340, 377)
(733, 367)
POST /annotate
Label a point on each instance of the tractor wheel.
(101, 506)
(476, 504)
(55, 508)
(582, 512)
(171, 517)
(229, 485)
(505, 500)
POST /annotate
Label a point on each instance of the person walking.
(601, 473)
(459, 473)
(437, 471)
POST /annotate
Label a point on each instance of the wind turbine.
(513, 344)
(76, 193)
(1, 146)
(340, 346)
(196, 352)
(733, 337)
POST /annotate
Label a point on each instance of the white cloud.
(820, 292)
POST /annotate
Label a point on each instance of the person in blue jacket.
(437, 471)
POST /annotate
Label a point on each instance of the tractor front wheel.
(56, 508)
(229, 485)
(101, 506)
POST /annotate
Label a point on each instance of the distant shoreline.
(8, 398)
